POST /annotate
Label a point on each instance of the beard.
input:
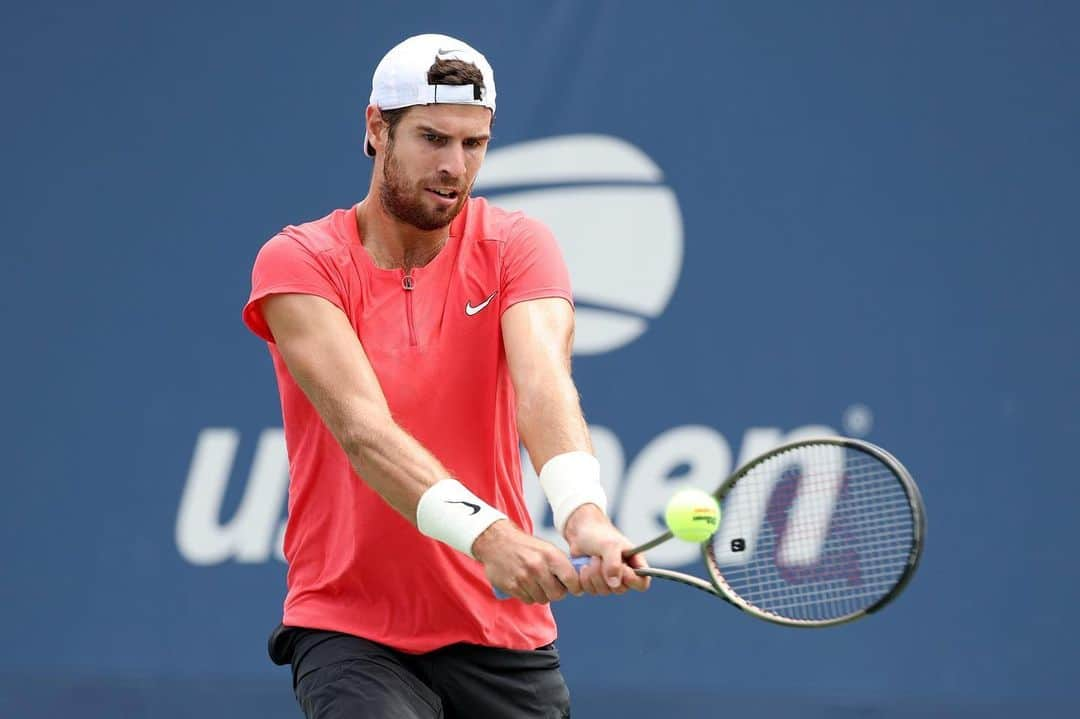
(406, 202)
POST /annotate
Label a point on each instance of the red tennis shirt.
(435, 342)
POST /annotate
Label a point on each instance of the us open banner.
(781, 221)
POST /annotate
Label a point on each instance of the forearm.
(327, 361)
(538, 336)
(550, 420)
(390, 460)
(557, 438)
(409, 477)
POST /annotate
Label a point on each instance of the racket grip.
(579, 563)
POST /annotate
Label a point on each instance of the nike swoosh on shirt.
(475, 507)
(470, 310)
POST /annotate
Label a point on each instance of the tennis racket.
(814, 533)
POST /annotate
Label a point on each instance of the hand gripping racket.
(812, 534)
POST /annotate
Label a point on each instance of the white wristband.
(570, 480)
(452, 514)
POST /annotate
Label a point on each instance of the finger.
(597, 586)
(637, 561)
(592, 579)
(613, 564)
(566, 574)
(551, 588)
(598, 579)
(631, 579)
(636, 581)
(525, 592)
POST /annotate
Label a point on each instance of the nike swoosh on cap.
(470, 310)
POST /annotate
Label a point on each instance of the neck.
(392, 243)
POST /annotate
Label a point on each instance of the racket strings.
(826, 532)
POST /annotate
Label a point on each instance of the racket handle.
(579, 563)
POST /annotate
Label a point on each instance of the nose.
(452, 161)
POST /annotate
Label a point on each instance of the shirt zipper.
(407, 284)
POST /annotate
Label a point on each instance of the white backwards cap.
(400, 78)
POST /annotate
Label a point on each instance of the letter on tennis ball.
(692, 515)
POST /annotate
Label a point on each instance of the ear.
(376, 129)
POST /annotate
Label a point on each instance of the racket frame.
(717, 586)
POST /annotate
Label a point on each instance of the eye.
(433, 138)
(474, 142)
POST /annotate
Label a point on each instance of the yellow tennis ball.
(692, 515)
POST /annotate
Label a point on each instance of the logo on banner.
(617, 223)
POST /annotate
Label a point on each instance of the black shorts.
(339, 676)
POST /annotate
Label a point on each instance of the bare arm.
(538, 336)
(329, 364)
(326, 359)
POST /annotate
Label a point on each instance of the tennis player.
(414, 336)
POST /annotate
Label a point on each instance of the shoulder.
(487, 222)
(318, 250)
(327, 236)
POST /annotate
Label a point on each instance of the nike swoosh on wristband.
(470, 310)
(475, 507)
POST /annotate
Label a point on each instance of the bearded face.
(426, 203)
(430, 162)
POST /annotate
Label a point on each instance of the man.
(415, 337)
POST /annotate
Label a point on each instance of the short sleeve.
(533, 265)
(284, 265)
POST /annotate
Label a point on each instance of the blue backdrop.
(854, 216)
